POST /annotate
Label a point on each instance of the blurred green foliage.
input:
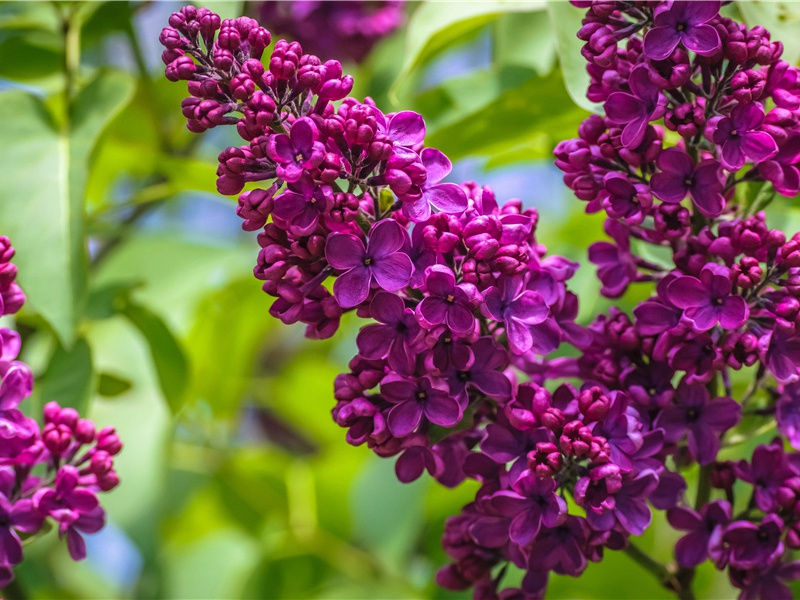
(142, 310)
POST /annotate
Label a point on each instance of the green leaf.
(172, 366)
(68, 378)
(41, 200)
(565, 22)
(539, 107)
(782, 19)
(435, 25)
(525, 40)
(110, 385)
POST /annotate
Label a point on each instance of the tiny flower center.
(450, 298)
(367, 261)
(688, 182)
(447, 340)
(717, 302)
(422, 396)
(463, 375)
(298, 157)
(680, 27)
(734, 133)
(762, 535)
(651, 390)
(692, 414)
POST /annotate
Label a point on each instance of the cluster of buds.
(51, 473)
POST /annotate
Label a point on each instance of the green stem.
(680, 585)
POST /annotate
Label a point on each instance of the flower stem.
(680, 585)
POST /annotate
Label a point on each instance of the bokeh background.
(143, 312)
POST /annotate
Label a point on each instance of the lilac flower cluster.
(49, 474)
(699, 132)
(453, 374)
(346, 28)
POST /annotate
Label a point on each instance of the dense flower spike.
(453, 375)
(52, 473)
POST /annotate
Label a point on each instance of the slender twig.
(667, 577)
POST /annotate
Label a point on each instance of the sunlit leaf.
(168, 357)
(68, 378)
(565, 20)
(782, 19)
(41, 205)
(538, 107)
(435, 25)
(110, 385)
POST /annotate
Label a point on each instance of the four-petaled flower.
(380, 260)
(679, 176)
(297, 152)
(709, 300)
(517, 308)
(685, 22)
(740, 138)
(634, 110)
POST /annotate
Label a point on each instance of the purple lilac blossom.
(456, 375)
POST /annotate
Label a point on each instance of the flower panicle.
(51, 472)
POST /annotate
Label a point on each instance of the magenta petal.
(409, 467)
(708, 201)
(702, 39)
(519, 336)
(545, 336)
(407, 128)
(758, 145)
(352, 288)
(704, 317)
(720, 414)
(436, 164)
(288, 205)
(82, 500)
(280, 149)
(633, 132)
(10, 546)
(530, 308)
(418, 210)
(490, 532)
(373, 341)
(404, 418)
(734, 312)
(668, 188)
(703, 445)
(387, 308)
(675, 162)
(460, 319)
(697, 11)
(393, 272)
(447, 197)
(621, 107)
(344, 251)
(525, 526)
(733, 154)
(442, 409)
(386, 237)
(75, 544)
(687, 292)
(683, 518)
(659, 42)
(433, 310)
(440, 280)
(302, 134)
(692, 549)
(493, 383)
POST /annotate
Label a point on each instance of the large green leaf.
(525, 40)
(566, 21)
(435, 25)
(781, 18)
(68, 379)
(171, 364)
(41, 200)
(539, 107)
